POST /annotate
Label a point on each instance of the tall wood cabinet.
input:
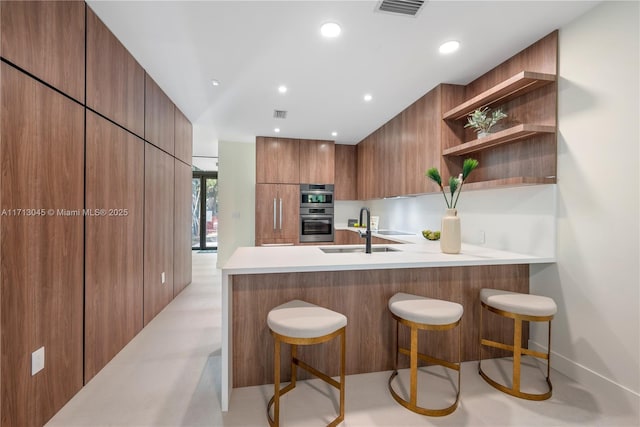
(277, 213)
(41, 243)
(113, 241)
(158, 230)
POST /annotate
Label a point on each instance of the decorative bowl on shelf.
(431, 235)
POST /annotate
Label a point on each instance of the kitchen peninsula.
(256, 279)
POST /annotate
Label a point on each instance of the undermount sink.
(393, 233)
(358, 249)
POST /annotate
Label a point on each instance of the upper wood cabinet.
(115, 81)
(521, 149)
(113, 243)
(183, 137)
(346, 178)
(159, 117)
(158, 230)
(47, 40)
(277, 160)
(317, 162)
(41, 274)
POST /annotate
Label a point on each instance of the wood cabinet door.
(317, 162)
(346, 164)
(266, 213)
(115, 81)
(288, 213)
(183, 137)
(277, 161)
(158, 230)
(159, 117)
(41, 274)
(113, 242)
(46, 38)
(182, 227)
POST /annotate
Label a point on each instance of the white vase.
(450, 241)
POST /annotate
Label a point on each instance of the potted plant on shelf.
(450, 240)
(481, 121)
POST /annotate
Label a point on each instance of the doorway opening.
(204, 210)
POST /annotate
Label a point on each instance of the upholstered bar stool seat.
(519, 307)
(301, 323)
(422, 313)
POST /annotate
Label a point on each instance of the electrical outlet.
(163, 278)
(482, 237)
(37, 361)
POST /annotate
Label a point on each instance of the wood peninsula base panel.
(363, 296)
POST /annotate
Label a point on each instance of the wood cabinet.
(365, 170)
(183, 137)
(277, 214)
(348, 237)
(182, 227)
(521, 150)
(317, 162)
(115, 81)
(159, 117)
(47, 40)
(158, 230)
(277, 160)
(41, 273)
(113, 242)
(346, 178)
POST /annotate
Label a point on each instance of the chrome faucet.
(367, 234)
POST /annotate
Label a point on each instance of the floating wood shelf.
(521, 83)
(512, 134)
(516, 181)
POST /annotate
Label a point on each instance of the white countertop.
(415, 252)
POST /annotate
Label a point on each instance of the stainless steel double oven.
(316, 213)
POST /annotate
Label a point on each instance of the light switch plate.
(163, 278)
(37, 361)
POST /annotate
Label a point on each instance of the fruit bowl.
(431, 235)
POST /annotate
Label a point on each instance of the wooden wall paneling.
(182, 227)
(158, 230)
(115, 81)
(113, 243)
(159, 117)
(47, 40)
(183, 137)
(346, 175)
(42, 255)
(317, 162)
(363, 297)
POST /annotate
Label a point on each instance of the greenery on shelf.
(455, 184)
(481, 121)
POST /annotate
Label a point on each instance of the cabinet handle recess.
(280, 214)
(274, 214)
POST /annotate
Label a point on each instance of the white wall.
(596, 333)
(236, 197)
(518, 219)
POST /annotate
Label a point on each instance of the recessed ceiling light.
(276, 130)
(215, 82)
(449, 47)
(368, 97)
(330, 30)
(282, 89)
(334, 133)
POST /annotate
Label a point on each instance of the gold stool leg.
(517, 353)
(294, 365)
(413, 395)
(276, 374)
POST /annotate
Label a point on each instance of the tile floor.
(169, 375)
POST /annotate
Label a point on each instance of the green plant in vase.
(455, 183)
(482, 122)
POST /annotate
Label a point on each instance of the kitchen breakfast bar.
(358, 285)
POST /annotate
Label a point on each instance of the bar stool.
(301, 323)
(423, 313)
(519, 307)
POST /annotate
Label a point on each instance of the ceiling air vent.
(279, 114)
(404, 7)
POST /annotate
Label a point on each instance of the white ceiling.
(252, 47)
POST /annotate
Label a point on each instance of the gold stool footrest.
(419, 409)
(515, 392)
